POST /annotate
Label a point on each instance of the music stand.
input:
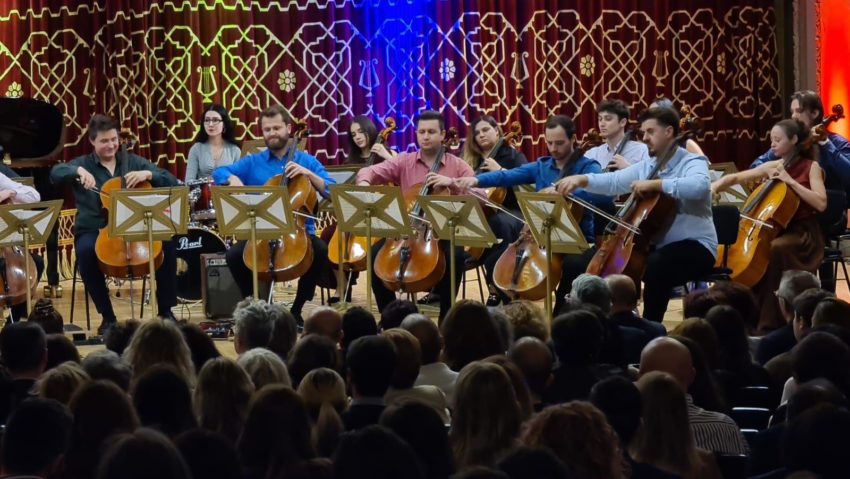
(253, 213)
(149, 215)
(553, 226)
(367, 211)
(460, 219)
(735, 195)
(22, 224)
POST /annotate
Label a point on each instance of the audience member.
(108, 365)
(819, 355)
(36, 438)
(45, 315)
(700, 331)
(408, 360)
(371, 364)
(424, 430)
(117, 337)
(486, 417)
(503, 327)
(432, 372)
(221, 397)
(535, 462)
(712, 430)
(734, 360)
(523, 396)
(130, 457)
(324, 321)
(61, 382)
(60, 349)
(577, 338)
(624, 298)
(578, 434)
(209, 455)
(284, 331)
(252, 325)
(591, 289)
(163, 401)
(741, 299)
(705, 390)
(469, 334)
(696, 303)
(792, 284)
(818, 441)
(160, 342)
(375, 452)
(310, 352)
(832, 311)
(356, 323)
(394, 313)
(323, 392)
(534, 359)
(527, 319)
(200, 344)
(23, 352)
(264, 367)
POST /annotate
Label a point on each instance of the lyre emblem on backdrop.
(206, 84)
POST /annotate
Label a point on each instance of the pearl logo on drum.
(184, 243)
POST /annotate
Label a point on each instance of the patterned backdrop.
(154, 64)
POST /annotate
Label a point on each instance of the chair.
(726, 220)
(755, 396)
(834, 225)
(471, 265)
(751, 417)
(732, 466)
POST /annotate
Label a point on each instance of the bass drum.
(190, 247)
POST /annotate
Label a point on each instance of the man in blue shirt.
(560, 138)
(833, 156)
(688, 249)
(255, 170)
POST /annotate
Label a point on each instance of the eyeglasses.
(212, 121)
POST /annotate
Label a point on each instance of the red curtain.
(154, 64)
(832, 49)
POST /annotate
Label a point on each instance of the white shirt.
(633, 152)
(23, 193)
(438, 374)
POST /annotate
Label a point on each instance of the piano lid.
(30, 130)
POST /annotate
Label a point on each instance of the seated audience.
(163, 401)
(61, 382)
(109, 366)
(28, 448)
(424, 430)
(356, 322)
(60, 349)
(253, 325)
(469, 334)
(264, 367)
(324, 321)
(209, 455)
(323, 391)
(117, 337)
(705, 390)
(527, 319)
(221, 397)
(156, 343)
(371, 365)
(130, 457)
(534, 359)
(408, 359)
(818, 441)
(735, 363)
(523, 397)
(200, 345)
(432, 372)
(792, 284)
(624, 299)
(394, 313)
(375, 452)
(310, 352)
(535, 462)
(45, 315)
(284, 331)
(23, 352)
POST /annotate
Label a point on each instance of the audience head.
(469, 334)
(253, 325)
(209, 455)
(534, 462)
(60, 349)
(373, 452)
(620, 401)
(832, 311)
(61, 382)
(284, 331)
(408, 357)
(535, 360)
(523, 395)
(357, 322)
(264, 367)
(804, 309)
(394, 313)
(793, 283)
(503, 326)
(45, 315)
(705, 388)
(701, 332)
(118, 336)
(37, 435)
(739, 297)
(822, 355)
(201, 346)
(577, 337)
(591, 289)
(323, 392)
(310, 352)
(23, 349)
(109, 366)
(667, 355)
(578, 434)
(422, 428)
(734, 348)
(371, 364)
(130, 457)
(428, 335)
(818, 441)
(277, 433)
(486, 417)
(222, 395)
(163, 401)
(160, 342)
(624, 296)
(324, 321)
(666, 440)
(527, 319)
(697, 303)
(813, 393)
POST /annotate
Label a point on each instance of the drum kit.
(201, 238)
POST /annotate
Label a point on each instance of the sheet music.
(370, 198)
(276, 210)
(736, 194)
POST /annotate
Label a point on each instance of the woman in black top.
(362, 142)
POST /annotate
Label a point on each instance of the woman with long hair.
(363, 141)
(214, 145)
(222, 396)
(800, 245)
(323, 391)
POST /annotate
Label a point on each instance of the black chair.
(726, 220)
(751, 417)
(732, 466)
(833, 223)
(755, 396)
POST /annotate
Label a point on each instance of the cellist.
(800, 246)
(15, 193)
(408, 170)
(687, 250)
(255, 170)
(560, 136)
(619, 150)
(363, 142)
(88, 173)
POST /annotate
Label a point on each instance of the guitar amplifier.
(219, 291)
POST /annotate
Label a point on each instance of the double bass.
(520, 272)
(766, 213)
(415, 263)
(354, 248)
(290, 256)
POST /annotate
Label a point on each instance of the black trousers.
(506, 229)
(671, 266)
(306, 284)
(384, 296)
(95, 280)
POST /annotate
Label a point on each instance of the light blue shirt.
(633, 152)
(686, 179)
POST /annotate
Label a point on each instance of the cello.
(354, 248)
(415, 263)
(13, 273)
(520, 272)
(766, 213)
(290, 256)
